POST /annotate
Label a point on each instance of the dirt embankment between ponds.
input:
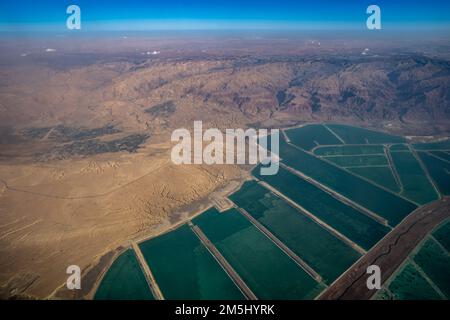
(389, 253)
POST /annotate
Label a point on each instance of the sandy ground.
(84, 211)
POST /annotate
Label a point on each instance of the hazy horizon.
(137, 15)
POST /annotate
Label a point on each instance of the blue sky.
(205, 14)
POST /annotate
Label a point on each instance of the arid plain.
(85, 130)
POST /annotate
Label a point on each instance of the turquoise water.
(380, 201)
(329, 257)
(309, 136)
(349, 150)
(416, 185)
(442, 234)
(399, 147)
(356, 226)
(358, 161)
(267, 270)
(441, 145)
(409, 284)
(184, 268)
(439, 171)
(124, 280)
(441, 154)
(435, 262)
(356, 135)
(380, 175)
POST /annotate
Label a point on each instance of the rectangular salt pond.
(322, 251)
(309, 136)
(350, 222)
(267, 270)
(416, 185)
(378, 200)
(184, 268)
(357, 135)
(124, 280)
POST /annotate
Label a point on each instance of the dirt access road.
(389, 253)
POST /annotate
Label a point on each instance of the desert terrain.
(85, 129)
